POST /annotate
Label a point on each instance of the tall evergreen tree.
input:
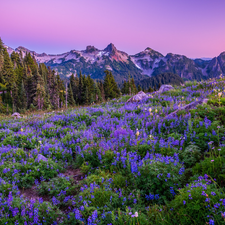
(8, 73)
(30, 62)
(98, 96)
(39, 99)
(23, 97)
(15, 99)
(1, 59)
(71, 100)
(139, 88)
(73, 85)
(81, 89)
(133, 86)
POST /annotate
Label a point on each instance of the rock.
(41, 157)
(164, 88)
(205, 100)
(138, 97)
(189, 106)
(16, 115)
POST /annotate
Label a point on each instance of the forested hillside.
(25, 84)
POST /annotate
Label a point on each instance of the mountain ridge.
(144, 64)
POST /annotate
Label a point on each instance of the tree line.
(25, 84)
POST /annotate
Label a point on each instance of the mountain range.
(142, 65)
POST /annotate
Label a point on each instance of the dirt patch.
(32, 194)
(76, 174)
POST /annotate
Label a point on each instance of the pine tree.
(98, 96)
(7, 71)
(1, 46)
(110, 86)
(73, 86)
(61, 88)
(101, 87)
(35, 80)
(150, 89)
(71, 100)
(15, 57)
(30, 62)
(133, 86)
(1, 59)
(15, 100)
(123, 90)
(54, 97)
(86, 99)
(81, 89)
(39, 98)
(107, 85)
(23, 97)
(139, 88)
(115, 89)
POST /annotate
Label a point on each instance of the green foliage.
(26, 174)
(213, 166)
(57, 185)
(216, 102)
(191, 205)
(150, 182)
(46, 212)
(163, 78)
(190, 155)
(110, 87)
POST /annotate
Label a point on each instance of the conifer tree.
(73, 86)
(61, 91)
(98, 96)
(39, 98)
(30, 62)
(23, 97)
(81, 89)
(86, 99)
(107, 85)
(54, 97)
(15, 99)
(8, 71)
(133, 86)
(123, 90)
(101, 87)
(110, 86)
(115, 90)
(150, 89)
(71, 100)
(29, 86)
(1, 59)
(139, 88)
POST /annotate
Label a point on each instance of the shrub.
(198, 203)
(213, 166)
(190, 155)
(161, 177)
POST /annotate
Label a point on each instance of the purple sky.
(195, 28)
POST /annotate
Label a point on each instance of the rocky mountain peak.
(111, 49)
(90, 49)
(149, 49)
(21, 48)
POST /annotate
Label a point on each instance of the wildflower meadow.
(117, 162)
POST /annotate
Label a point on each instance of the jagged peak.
(21, 48)
(149, 49)
(110, 48)
(222, 53)
(90, 49)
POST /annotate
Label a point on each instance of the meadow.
(117, 162)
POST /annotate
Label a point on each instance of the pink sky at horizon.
(191, 28)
